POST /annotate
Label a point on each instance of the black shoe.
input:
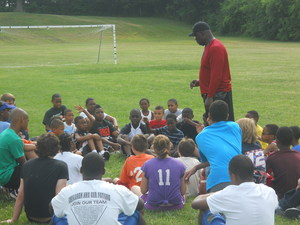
(106, 155)
(292, 213)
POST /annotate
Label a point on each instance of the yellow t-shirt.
(259, 130)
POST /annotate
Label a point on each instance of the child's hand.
(145, 120)
(89, 135)
(116, 146)
(259, 138)
(188, 174)
(79, 108)
(199, 127)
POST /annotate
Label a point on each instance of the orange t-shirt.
(131, 173)
(26, 141)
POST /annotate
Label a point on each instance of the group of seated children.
(159, 146)
(94, 130)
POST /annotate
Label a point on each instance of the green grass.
(156, 60)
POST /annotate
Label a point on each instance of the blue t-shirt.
(218, 144)
(296, 148)
(4, 125)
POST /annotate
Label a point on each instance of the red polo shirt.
(214, 74)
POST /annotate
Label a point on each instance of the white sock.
(101, 152)
(94, 150)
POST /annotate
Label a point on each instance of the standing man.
(214, 75)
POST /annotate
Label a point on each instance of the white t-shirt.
(177, 113)
(70, 129)
(74, 163)
(149, 116)
(85, 116)
(247, 204)
(94, 202)
(192, 188)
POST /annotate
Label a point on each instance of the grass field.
(156, 60)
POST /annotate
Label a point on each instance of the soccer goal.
(58, 44)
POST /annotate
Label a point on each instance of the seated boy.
(254, 115)
(175, 135)
(243, 202)
(130, 130)
(172, 108)
(269, 136)
(12, 151)
(186, 148)
(188, 125)
(41, 179)
(131, 173)
(57, 127)
(284, 164)
(57, 110)
(70, 127)
(8, 98)
(90, 104)
(158, 120)
(87, 142)
(93, 201)
(4, 115)
(105, 129)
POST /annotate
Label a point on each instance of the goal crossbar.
(56, 26)
(105, 26)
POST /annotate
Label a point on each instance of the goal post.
(101, 27)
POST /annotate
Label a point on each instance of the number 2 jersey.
(164, 181)
(131, 173)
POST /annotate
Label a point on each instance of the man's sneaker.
(292, 213)
(106, 155)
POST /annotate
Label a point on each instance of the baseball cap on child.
(4, 105)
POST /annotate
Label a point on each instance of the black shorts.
(14, 182)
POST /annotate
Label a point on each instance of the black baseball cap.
(199, 26)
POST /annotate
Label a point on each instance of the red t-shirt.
(214, 74)
(157, 124)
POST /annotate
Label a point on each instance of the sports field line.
(45, 65)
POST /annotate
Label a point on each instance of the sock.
(94, 150)
(101, 152)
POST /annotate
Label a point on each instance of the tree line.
(267, 19)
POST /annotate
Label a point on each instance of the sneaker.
(292, 213)
(13, 194)
(106, 155)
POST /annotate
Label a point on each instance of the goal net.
(57, 45)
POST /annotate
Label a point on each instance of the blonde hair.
(8, 97)
(162, 146)
(249, 132)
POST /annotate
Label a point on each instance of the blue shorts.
(123, 219)
(212, 219)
